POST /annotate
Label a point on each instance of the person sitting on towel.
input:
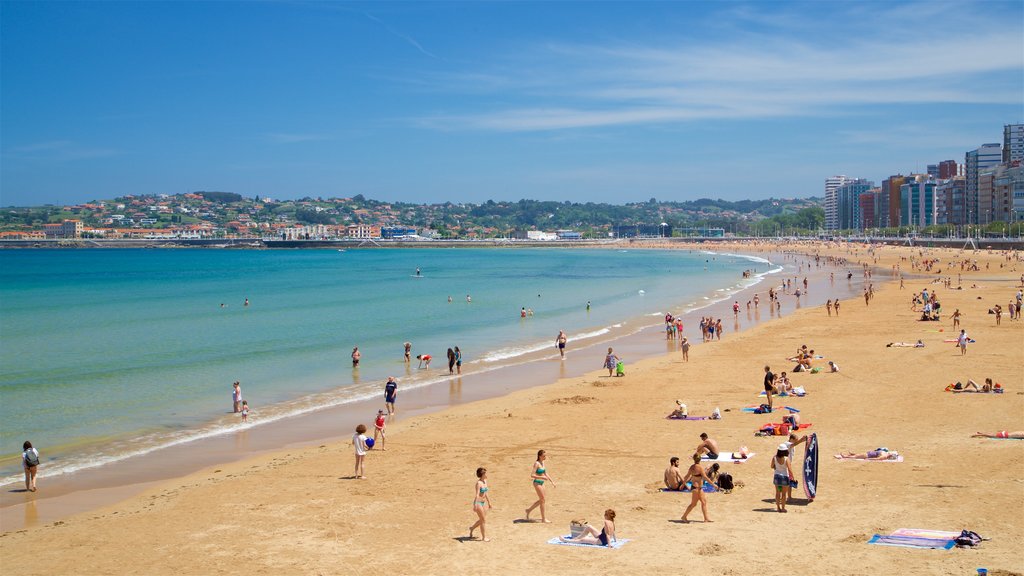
(674, 478)
(680, 411)
(707, 445)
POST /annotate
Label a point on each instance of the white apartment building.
(831, 201)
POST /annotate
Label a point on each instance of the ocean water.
(109, 353)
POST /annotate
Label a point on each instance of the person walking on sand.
(560, 342)
(539, 476)
(828, 306)
(590, 535)
(961, 341)
(390, 393)
(30, 463)
(480, 499)
(956, 318)
(236, 397)
(379, 424)
(359, 443)
(783, 473)
(836, 306)
(696, 476)
(610, 361)
(684, 347)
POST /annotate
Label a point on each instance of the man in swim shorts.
(673, 478)
(708, 445)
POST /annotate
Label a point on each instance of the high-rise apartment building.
(948, 169)
(848, 214)
(891, 193)
(831, 214)
(976, 161)
(951, 201)
(1013, 143)
(917, 201)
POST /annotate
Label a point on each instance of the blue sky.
(469, 101)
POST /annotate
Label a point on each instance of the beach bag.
(576, 528)
(725, 481)
(31, 458)
(762, 409)
(716, 414)
(620, 368)
(968, 539)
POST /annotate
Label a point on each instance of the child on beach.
(245, 410)
(378, 429)
(359, 443)
(610, 361)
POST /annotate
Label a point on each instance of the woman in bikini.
(1000, 434)
(591, 536)
(481, 499)
(697, 476)
(539, 476)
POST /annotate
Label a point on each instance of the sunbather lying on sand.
(918, 344)
(876, 454)
(1001, 434)
(973, 387)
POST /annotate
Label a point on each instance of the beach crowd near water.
(919, 437)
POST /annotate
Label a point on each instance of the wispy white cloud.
(768, 72)
(409, 39)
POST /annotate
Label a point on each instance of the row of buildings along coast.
(988, 187)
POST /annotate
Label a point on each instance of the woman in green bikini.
(481, 499)
(539, 475)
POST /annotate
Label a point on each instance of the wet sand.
(293, 510)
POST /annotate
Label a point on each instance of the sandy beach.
(298, 511)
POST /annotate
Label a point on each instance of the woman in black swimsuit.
(697, 476)
(591, 536)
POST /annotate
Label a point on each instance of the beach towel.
(897, 459)
(796, 392)
(708, 487)
(925, 533)
(776, 429)
(727, 457)
(686, 418)
(913, 542)
(616, 544)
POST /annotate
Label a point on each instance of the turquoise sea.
(109, 353)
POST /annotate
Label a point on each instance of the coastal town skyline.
(438, 102)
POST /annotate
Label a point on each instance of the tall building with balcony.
(917, 201)
(891, 193)
(848, 216)
(975, 162)
(948, 169)
(951, 201)
(1013, 143)
(831, 214)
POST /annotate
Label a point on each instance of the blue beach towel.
(912, 542)
(617, 544)
(708, 487)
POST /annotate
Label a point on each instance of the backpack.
(762, 409)
(725, 481)
(31, 458)
(968, 539)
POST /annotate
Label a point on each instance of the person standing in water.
(560, 342)
(390, 393)
(418, 272)
(356, 355)
(236, 397)
(408, 349)
(458, 360)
